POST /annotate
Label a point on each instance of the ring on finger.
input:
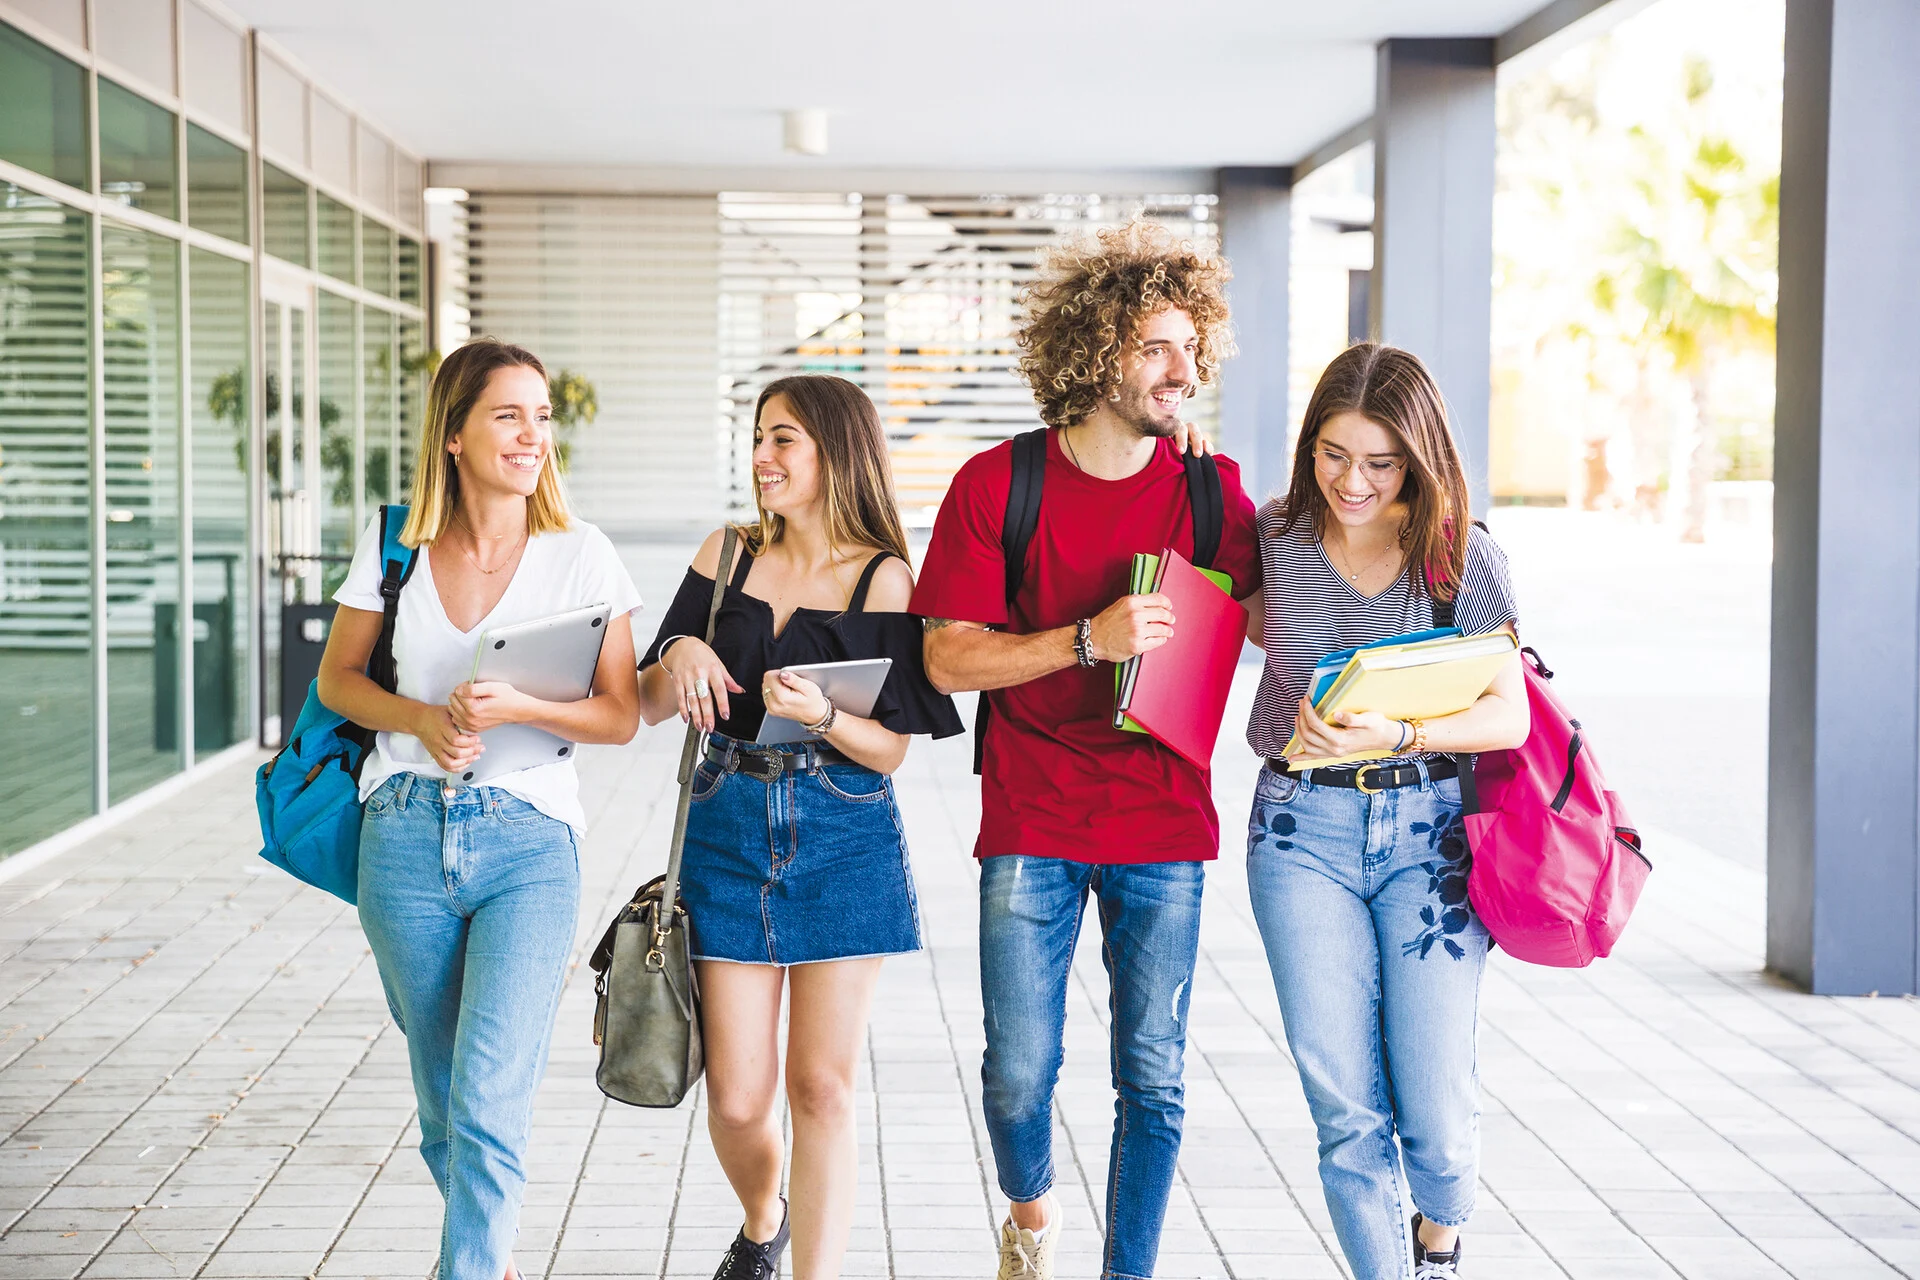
(701, 688)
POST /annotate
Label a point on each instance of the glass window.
(138, 158)
(336, 238)
(43, 109)
(410, 291)
(336, 480)
(140, 292)
(284, 210)
(216, 184)
(46, 618)
(413, 400)
(376, 257)
(382, 387)
(219, 396)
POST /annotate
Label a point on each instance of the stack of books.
(1421, 676)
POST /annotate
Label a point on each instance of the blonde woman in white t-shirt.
(469, 895)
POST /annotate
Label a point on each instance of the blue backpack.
(309, 794)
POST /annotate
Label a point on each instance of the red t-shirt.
(1060, 781)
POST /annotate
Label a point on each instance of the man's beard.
(1137, 410)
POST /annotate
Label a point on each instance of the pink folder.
(1180, 694)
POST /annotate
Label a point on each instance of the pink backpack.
(1557, 864)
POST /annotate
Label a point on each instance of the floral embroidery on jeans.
(1446, 880)
(1282, 825)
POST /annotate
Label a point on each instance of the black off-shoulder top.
(744, 640)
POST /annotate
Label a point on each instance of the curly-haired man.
(1120, 329)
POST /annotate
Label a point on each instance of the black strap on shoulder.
(395, 573)
(1208, 505)
(858, 603)
(1016, 536)
(1023, 505)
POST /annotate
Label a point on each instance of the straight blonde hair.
(457, 386)
(856, 474)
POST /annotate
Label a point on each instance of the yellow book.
(1421, 681)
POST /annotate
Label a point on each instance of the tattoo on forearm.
(935, 624)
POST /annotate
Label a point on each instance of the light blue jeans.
(1376, 956)
(470, 904)
(1030, 910)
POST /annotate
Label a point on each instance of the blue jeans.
(1030, 911)
(470, 905)
(1376, 956)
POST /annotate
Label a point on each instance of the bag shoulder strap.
(397, 561)
(1024, 488)
(1208, 504)
(689, 751)
(1023, 505)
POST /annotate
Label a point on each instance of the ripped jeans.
(1030, 910)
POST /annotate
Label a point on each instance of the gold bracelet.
(1419, 742)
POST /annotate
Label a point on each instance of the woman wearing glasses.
(1359, 874)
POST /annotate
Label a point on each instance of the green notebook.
(1144, 578)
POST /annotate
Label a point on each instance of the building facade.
(211, 329)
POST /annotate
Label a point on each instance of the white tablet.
(853, 686)
(552, 659)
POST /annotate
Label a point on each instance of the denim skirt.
(811, 866)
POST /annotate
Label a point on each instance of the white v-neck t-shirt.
(557, 572)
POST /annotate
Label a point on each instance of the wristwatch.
(1083, 643)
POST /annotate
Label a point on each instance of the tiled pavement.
(198, 1077)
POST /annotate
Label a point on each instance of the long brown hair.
(856, 474)
(457, 387)
(1391, 388)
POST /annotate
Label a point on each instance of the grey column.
(1843, 816)
(1256, 234)
(1433, 138)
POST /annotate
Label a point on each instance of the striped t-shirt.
(1311, 611)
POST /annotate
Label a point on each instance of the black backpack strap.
(1023, 505)
(1024, 487)
(396, 571)
(1208, 504)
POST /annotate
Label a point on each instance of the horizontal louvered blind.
(913, 298)
(623, 290)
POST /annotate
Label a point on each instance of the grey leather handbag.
(647, 1017)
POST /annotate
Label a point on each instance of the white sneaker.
(1024, 1258)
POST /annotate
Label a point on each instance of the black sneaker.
(749, 1259)
(1431, 1264)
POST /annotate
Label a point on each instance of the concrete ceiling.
(990, 84)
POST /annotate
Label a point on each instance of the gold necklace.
(511, 556)
(1350, 573)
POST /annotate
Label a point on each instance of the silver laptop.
(853, 686)
(552, 659)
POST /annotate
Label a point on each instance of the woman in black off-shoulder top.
(795, 872)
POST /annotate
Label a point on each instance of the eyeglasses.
(1332, 465)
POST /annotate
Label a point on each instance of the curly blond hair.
(1085, 309)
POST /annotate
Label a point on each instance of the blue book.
(1328, 669)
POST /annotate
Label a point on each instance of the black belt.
(766, 764)
(1372, 777)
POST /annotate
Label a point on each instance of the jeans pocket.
(511, 808)
(706, 780)
(862, 786)
(1275, 788)
(381, 801)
